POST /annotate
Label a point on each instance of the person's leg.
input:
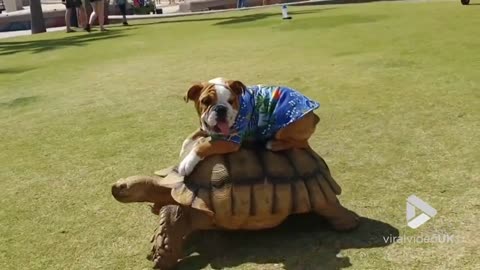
(79, 17)
(101, 14)
(123, 11)
(82, 16)
(93, 15)
(68, 15)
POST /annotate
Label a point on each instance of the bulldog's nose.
(221, 111)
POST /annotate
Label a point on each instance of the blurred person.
(122, 5)
(241, 3)
(98, 12)
(81, 14)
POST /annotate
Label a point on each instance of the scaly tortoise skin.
(250, 189)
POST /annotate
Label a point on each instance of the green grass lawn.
(399, 87)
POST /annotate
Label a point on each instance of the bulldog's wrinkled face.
(217, 102)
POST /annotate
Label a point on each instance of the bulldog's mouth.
(222, 127)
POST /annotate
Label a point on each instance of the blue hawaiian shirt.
(266, 109)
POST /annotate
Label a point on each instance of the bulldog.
(231, 113)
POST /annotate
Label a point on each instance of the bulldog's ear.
(237, 86)
(193, 92)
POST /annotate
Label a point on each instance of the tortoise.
(251, 189)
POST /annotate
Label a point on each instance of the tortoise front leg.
(169, 237)
(176, 223)
(155, 209)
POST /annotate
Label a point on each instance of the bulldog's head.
(217, 102)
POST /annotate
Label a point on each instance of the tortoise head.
(142, 189)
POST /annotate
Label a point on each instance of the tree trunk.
(36, 17)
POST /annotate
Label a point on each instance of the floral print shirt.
(266, 109)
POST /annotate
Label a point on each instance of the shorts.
(72, 3)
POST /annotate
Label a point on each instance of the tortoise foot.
(346, 222)
(167, 241)
(340, 218)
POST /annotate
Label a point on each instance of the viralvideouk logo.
(428, 212)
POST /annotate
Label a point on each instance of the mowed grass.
(399, 87)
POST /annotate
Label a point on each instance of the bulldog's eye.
(231, 102)
(205, 101)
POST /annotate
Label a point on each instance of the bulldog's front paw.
(188, 163)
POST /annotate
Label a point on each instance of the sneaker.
(70, 31)
(87, 28)
(125, 23)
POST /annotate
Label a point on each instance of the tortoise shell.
(255, 186)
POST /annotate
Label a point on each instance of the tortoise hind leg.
(340, 218)
(176, 223)
(325, 203)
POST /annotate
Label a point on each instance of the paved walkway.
(167, 10)
(27, 32)
(172, 11)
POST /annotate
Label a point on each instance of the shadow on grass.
(44, 45)
(238, 18)
(302, 242)
(20, 102)
(15, 70)
(261, 16)
(340, 2)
